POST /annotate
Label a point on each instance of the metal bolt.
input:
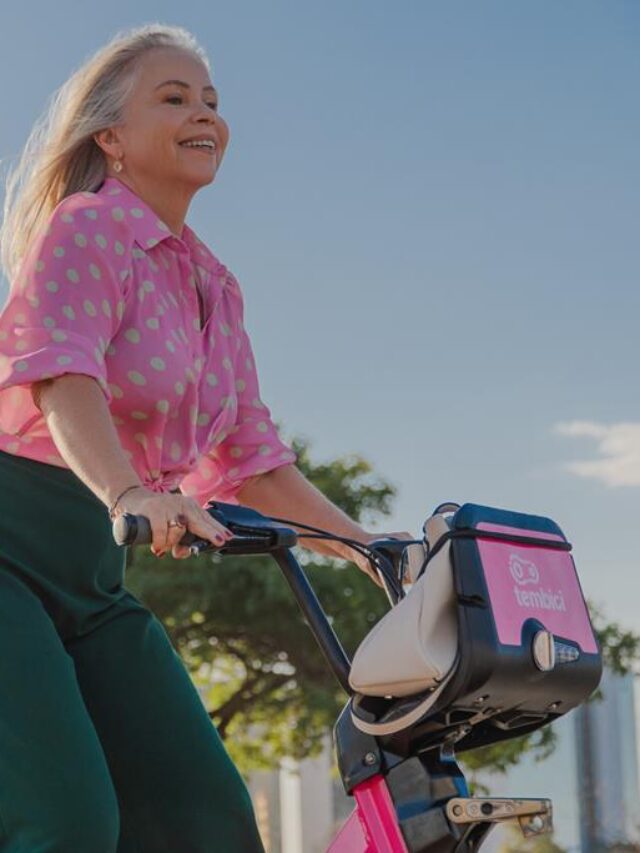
(457, 810)
(480, 700)
(536, 823)
(369, 759)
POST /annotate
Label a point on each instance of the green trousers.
(105, 744)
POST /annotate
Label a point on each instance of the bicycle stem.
(318, 623)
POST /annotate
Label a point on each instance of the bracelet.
(121, 495)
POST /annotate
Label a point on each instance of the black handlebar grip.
(129, 529)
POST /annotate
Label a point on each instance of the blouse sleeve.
(251, 446)
(63, 309)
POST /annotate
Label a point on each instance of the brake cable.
(369, 553)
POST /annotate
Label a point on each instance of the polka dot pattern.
(136, 377)
(111, 293)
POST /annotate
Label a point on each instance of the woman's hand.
(161, 508)
(363, 563)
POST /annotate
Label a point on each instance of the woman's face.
(173, 103)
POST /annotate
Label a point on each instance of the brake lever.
(238, 545)
(247, 524)
(245, 541)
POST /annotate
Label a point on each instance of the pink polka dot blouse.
(107, 291)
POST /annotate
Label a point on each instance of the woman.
(127, 384)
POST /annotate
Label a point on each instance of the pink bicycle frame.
(372, 827)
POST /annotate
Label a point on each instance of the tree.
(245, 643)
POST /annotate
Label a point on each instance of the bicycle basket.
(503, 634)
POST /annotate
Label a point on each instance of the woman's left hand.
(363, 563)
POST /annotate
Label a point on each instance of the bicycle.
(514, 670)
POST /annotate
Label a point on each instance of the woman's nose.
(205, 114)
(202, 118)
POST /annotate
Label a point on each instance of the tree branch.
(268, 682)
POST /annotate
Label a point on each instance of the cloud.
(618, 446)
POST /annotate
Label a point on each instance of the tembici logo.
(526, 573)
(523, 571)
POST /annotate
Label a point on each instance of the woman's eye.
(179, 99)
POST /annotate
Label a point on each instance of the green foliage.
(243, 639)
(620, 648)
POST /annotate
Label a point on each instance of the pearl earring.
(117, 166)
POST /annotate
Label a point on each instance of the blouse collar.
(148, 229)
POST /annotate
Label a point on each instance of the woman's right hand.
(161, 508)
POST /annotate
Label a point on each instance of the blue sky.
(431, 207)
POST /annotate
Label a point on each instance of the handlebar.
(254, 533)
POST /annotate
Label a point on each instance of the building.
(607, 766)
(301, 805)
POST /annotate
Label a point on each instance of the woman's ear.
(109, 142)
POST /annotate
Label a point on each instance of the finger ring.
(175, 523)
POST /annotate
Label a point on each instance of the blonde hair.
(61, 156)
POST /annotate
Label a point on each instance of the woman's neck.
(170, 202)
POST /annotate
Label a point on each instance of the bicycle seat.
(495, 633)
